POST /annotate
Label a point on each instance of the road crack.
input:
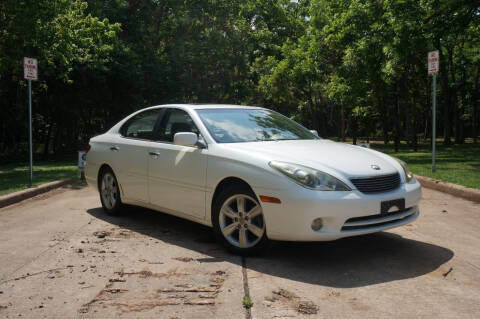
(246, 289)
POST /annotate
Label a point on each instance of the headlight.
(309, 177)
(408, 174)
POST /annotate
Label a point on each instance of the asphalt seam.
(246, 289)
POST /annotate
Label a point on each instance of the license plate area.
(392, 205)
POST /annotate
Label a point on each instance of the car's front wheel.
(109, 192)
(238, 221)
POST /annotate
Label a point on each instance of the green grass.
(14, 177)
(459, 164)
(247, 302)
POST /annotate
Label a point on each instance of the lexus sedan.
(251, 174)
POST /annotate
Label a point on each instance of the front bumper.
(292, 219)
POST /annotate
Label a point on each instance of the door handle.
(154, 153)
(114, 148)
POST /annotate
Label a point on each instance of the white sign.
(82, 159)
(30, 69)
(433, 62)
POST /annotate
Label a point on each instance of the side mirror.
(314, 132)
(185, 139)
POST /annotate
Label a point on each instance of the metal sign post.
(433, 66)
(30, 72)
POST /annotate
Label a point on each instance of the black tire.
(261, 242)
(111, 207)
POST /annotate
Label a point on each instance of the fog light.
(317, 224)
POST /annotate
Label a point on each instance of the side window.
(141, 126)
(173, 122)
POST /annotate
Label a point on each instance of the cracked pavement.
(62, 257)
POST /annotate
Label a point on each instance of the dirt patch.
(101, 234)
(184, 259)
(149, 274)
(307, 307)
(288, 299)
(285, 294)
(135, 292)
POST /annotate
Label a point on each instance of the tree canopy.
(343, 67)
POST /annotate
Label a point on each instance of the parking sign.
(30, 69)
(433, 62)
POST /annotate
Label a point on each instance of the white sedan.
(250, 173)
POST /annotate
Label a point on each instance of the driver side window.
(175, 121)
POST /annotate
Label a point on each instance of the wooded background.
(347, 68)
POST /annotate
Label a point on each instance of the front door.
(177, 174)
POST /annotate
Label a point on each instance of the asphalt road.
(62, 257)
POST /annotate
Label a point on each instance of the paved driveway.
(62, 257)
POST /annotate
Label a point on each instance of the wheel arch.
(102, 168)
(224, 183)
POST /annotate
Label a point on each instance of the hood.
(324, 155)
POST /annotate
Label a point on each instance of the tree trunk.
(458, 123)
(445, 98)
(414, 122)
(384, 116)
(397, 120)
(47, 141)
(476, 96)
(342, 122)
(354, 126)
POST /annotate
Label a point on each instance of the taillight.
(87, 149)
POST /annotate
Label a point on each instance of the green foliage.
(342, 67)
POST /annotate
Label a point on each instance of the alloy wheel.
(241, 221)
(109, 190)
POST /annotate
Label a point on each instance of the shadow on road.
(345, 263)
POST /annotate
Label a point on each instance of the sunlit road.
(62, 257)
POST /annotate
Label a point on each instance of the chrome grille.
(377, 184)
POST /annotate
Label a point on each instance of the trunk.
(342, 122)
(383, 112)
(354, 126)
(445, 98)
(414, 126)
(476, 96)
(397, 117)
(427, 110)
(458, 125)
(313, 109)
(425, 130)
(56, 139)
(47, 141)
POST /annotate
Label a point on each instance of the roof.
(210, 106)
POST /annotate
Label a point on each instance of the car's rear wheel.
(109, 192)
(238, 221)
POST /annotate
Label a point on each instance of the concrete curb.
(16, 197)
(449, 188)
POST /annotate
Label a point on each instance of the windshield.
(251, 125)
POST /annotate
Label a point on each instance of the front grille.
(366, 222)
(377, 184)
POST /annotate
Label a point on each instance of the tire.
(109, 192)
(241, 230)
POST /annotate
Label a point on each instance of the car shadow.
(350, 262)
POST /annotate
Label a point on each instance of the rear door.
(177, 174)
(131, 154)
